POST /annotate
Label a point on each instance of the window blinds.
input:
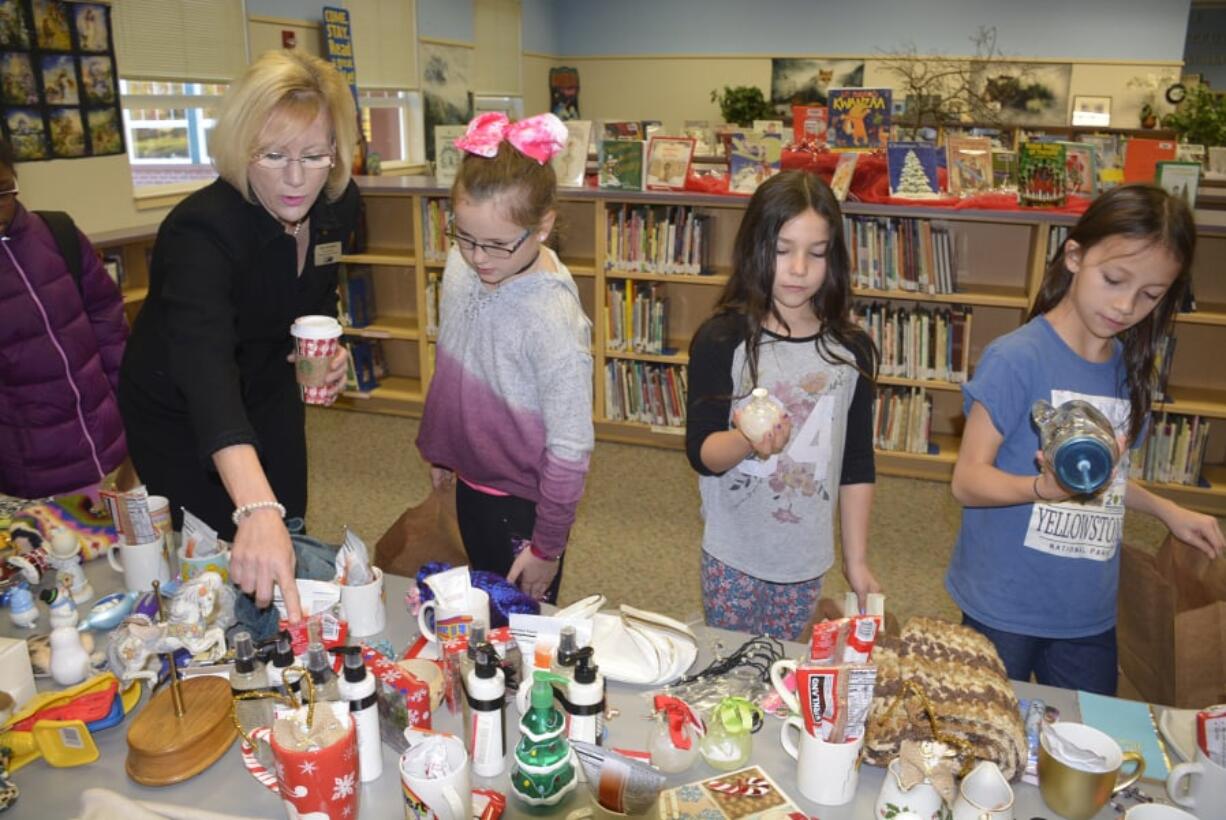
(189, 40)
(496, 58)
(384, 42)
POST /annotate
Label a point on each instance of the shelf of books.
(933, 287)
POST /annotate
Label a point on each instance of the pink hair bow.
(538, 137)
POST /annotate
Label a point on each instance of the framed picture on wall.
(1091, 110)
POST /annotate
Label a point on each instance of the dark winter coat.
(60, 349)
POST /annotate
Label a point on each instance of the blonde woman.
(207, 391)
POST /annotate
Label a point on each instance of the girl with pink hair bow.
(509, 411)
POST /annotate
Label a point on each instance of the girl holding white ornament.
(769, 490)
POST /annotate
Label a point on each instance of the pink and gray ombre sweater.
(510, 403)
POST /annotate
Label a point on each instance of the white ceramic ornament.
(23, 611)
(69, 661)
(63, 553)
(759, 416)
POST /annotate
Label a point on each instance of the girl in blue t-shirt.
(1034, 569)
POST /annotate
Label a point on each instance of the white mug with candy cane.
(317, 338)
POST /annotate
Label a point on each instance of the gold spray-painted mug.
(1078, 793)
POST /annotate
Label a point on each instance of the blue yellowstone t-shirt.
(1049, 570)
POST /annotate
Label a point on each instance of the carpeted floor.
(638, 530)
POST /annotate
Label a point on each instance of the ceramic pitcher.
(984, 794)
(893, 800)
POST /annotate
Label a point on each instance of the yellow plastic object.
(24, 744)
(65, 742)
(130, 697)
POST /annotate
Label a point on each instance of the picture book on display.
(1217, 162)
(769, 126)
(1108, 162)
(1181, 179)
(913, 170)
(1080, 168)
(859, 117)
(447, 157)
(570, 164)
(840, 181)
(621, 130)
(969, 160)
(1041, 174)
(754, 158)
(1004, 169)
(668, 163)
(1142, 155)
(700, 131)
(809, 124)
(621, 164)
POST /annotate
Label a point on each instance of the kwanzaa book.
(859, 117)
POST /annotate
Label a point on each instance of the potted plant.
(1150, 85)
(1200, 118)
(742, 105)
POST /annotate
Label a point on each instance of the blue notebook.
(1132, 726)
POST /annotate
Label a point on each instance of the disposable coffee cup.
(316, 339)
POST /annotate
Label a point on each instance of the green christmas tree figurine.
(544, 770)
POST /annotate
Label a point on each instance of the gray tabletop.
(226, 787)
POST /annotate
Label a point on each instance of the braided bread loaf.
(963, 678)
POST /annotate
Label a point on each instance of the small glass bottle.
(282, 659)
(249, 676)
(759, 415)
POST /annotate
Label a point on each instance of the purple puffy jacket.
(59, 365)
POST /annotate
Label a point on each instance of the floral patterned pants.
(733, 600)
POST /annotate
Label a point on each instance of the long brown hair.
(1149, 214)
(780, 199)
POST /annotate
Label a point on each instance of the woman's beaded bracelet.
(247, 509)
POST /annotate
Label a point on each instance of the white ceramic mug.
(451, 623)
(1205, 791)
(825, 772)
(779, 671)
(1156, 811)
(141, 564)
(448, 797)
(922, 800)
(984, 794)
(364, 608)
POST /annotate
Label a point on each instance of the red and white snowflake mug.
(321, 784)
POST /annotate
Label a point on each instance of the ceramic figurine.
(23, 611)
(8, 790)
(64, 554)
(61, 604)
(69, 661)
(109, 611)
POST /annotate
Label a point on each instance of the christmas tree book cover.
(913, 170)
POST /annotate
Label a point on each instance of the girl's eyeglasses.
(9, 193)
(496, 251)
(276, 161)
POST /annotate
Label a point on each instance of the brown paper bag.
(427, 532)
(1172, 624)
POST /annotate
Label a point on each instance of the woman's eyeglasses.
(9, 193)
(276, 161)
(469, 245)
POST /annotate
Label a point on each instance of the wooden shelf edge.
(975, 298)
(711, 279)
(389, 257)
(927, 384)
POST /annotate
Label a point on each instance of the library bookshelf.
(999, 255)
(133, 247)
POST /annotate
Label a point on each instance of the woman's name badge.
(327, 253)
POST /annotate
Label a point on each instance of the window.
(392, 123)
(167, 126)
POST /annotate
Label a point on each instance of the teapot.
(1078, 443)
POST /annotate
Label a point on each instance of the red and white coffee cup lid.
(315, 327)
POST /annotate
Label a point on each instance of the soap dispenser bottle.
(357, 686)
(544, 770)
(585, 699)
(485, 688)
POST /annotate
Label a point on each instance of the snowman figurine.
(60, 601)
(64, 554)
(70, 662)
(23, 611)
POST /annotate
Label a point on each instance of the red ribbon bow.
(678, 713)
(538, 137)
